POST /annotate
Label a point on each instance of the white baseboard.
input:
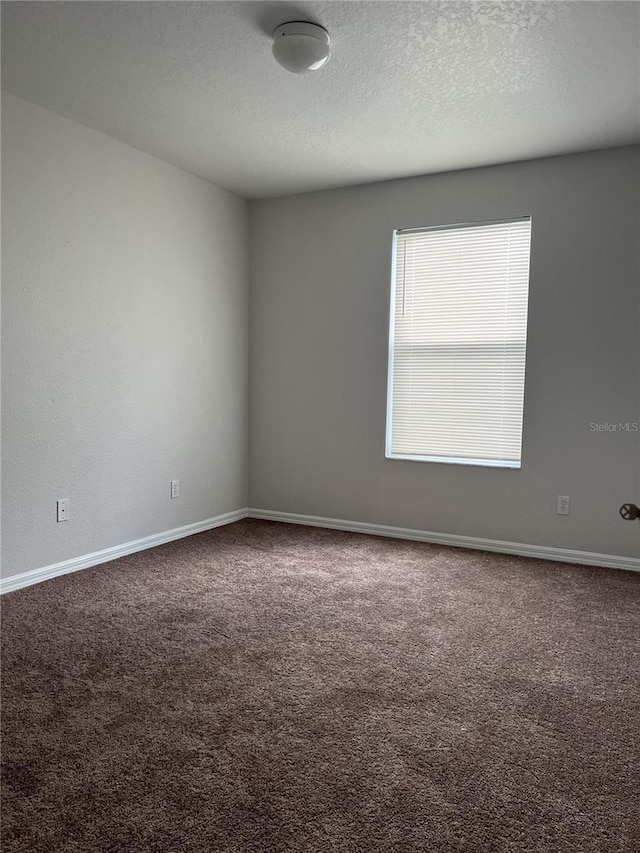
(543, 552)
(29, 578)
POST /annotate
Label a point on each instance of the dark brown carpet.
(266, 687)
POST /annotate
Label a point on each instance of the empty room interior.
(320, 427)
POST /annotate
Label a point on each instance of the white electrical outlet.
(175, 489)
(564, 502)
(63, 509)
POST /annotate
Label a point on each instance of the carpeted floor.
(268, 688)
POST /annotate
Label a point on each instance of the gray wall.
(124, 347)
(318, 355)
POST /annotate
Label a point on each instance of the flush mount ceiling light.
(301, 47)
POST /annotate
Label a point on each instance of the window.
(457, 343)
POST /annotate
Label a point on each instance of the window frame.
(449, 460)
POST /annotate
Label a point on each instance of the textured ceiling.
(411, 88)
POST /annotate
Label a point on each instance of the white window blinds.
(458, 343)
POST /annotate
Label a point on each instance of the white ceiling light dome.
(301, 47)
